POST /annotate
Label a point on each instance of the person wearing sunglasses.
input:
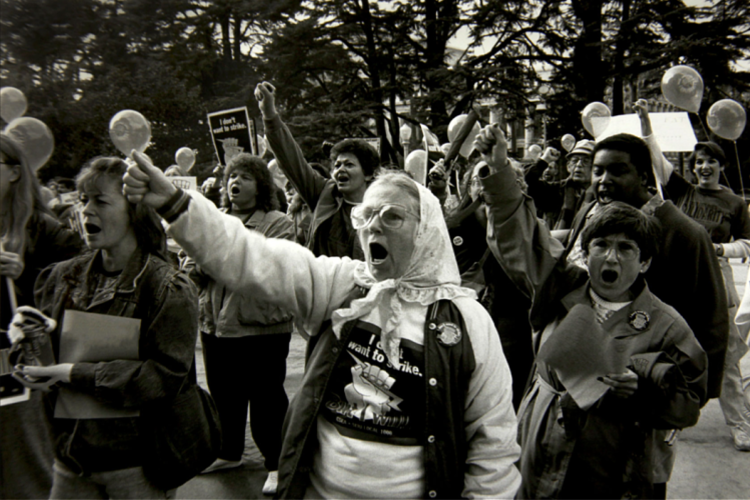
(406, 393)
(590, 418)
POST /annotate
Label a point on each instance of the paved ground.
(707, 464)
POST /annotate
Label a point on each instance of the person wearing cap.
(560, 200)
(725, 217)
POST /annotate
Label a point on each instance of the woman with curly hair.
(246, 340)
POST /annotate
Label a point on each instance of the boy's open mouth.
(92, 228)
(378, 253)
(235, 190)
(609, 276)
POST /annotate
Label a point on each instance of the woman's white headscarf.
(432, 275)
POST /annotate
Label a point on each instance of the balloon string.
(739, 168)
(705, 132)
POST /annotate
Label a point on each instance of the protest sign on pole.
(232, 132)
(673, 131)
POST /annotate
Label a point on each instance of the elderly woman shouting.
(407, 393)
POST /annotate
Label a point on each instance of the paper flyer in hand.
(89, 337)
(580, 351)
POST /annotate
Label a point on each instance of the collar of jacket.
(643, 303)
(127, 282)
(252, 221)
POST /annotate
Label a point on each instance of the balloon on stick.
(13, 104)
(35, 139)
(415, 164)
(453, 129)
(727, 119)
(130, 130)
(445, 148)
(535, 151)
(568, 141)
(185, 158)
(595, 118)
(683, 87)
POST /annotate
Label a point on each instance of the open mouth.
(235, 190)
(340, 178)
(604, 196)
(92, 228)
(609, 276)
(378, 253)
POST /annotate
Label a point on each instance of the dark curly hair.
(265, 198)
(366, 154)
(149, 232)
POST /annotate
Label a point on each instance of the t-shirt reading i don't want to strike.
(373, 415)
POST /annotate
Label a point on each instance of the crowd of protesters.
(541, 338)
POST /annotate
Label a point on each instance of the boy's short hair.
(366, 154)
(621, 218)
(640, 155)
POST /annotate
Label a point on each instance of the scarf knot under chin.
(432, 275)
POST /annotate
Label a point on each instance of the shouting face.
(614, 265)
(349, 176)
(387, 221)
(615, 178)
(105, 215)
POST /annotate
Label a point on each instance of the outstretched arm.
(520, 242)
(308, 183)
(662, 167)
(278, 271)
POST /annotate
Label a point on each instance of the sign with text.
(372, 141)
(673, 131)
(232, 132)
(186, 183)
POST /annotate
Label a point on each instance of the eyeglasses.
(579, 159)
(625, 250)
(391, 216)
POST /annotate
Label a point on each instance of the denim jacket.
(229, 313)
(166, 302)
